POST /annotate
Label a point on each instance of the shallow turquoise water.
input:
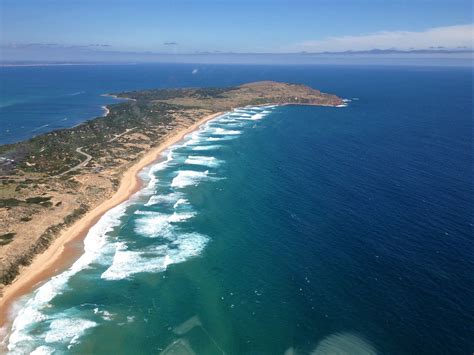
(287, 229)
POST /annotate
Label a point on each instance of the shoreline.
(65, 249)
(118, 98)
(106, 111)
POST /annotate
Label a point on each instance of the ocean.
(271, 230)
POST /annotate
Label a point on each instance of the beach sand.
(68, 246)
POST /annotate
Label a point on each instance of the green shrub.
(6, 238)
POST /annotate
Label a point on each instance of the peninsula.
(53, 187)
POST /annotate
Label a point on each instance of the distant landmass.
(301, 57)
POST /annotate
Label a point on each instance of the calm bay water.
(272, 229)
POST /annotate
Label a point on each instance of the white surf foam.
(242, 111)
(345, 103)
(180, 202)
(104, 314)
(225, 132)
(155, 224)
(68, 329)
(258, 116)
(254, 117)
(235, 124)
(206, 147)
(218, 139)
(188, 177)
(194, 138)
(164, 199)
(180, 217)
(127, 263)
(225, 119)
(203, 161)
(42, 350)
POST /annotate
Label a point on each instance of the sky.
(147, 29)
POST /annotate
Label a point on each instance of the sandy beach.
(68, 246)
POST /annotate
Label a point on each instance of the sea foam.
(206, 147)
(180, 202)
(68, 329)
(42, 350)
(155, 224)
(218, 139)
(188, 177)
(202, 160)
(170, 198)
(225, 132)
(127, 263)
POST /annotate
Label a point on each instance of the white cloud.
(447, 37)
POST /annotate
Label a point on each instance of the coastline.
(64, 250)
(190, 108)
(118, 98)
(106, 111)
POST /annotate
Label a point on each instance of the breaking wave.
(170, 198)
(156, 224)
(202, 160)
(225, 132)
(127, 263)
(206, 147)
(188, 178)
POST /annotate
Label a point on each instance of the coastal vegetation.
(6, 238)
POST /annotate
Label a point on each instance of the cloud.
(378, 51)
(53, 45)
(170, 43)
(449, 37)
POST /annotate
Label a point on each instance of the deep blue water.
(35, 100)
(310, 228)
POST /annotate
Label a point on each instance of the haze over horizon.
(212, 31)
